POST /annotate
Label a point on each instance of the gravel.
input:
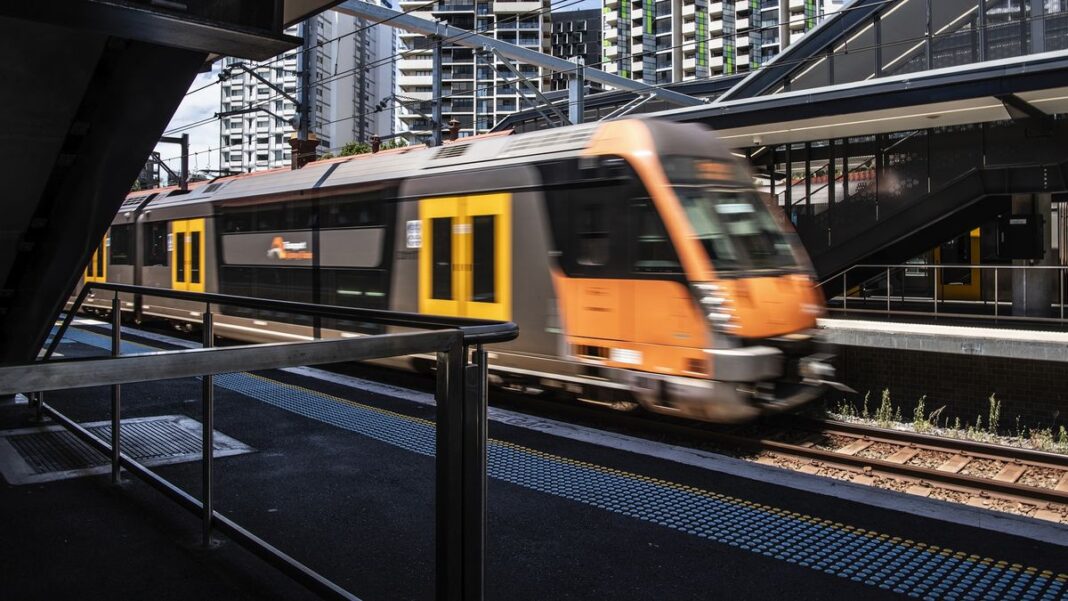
(982, 468)
(879, 450)
(1041, 477)
(929, 459)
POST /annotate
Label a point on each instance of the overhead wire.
(646, 87)
(653, 87)
(374, 64)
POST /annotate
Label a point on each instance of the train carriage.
(635, 256)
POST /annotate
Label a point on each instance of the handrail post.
(449, 487)
(845, 292)
(475, 447)
(937, 285)
(888, 291)
(995, 294)
(1060, 282)
(207, 411)
(116, 392)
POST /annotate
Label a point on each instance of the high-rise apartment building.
(476, 89)
(367, 52)
(575, 33)
(664, 41)
(351, 70)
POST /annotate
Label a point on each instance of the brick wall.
(1037, 391)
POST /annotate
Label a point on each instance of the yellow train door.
(187, 255)
(97, 269)
(960, 283)
(465, 256)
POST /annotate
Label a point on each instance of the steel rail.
(692, 432)
(934, 442)
(923, 474)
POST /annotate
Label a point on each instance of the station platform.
(342, 479)
(1008, 342)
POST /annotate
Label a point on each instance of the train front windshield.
(732, 224)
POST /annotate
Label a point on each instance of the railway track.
(976, 473)
(998, 477)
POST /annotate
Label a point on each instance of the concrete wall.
(1037, 391)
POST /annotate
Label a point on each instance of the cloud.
(204, 139)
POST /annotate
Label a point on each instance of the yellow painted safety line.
(960, 555)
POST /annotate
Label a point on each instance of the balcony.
(452, 7)
(415, 80)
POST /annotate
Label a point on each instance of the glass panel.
(1005, 33)
(1056, 24)
(957, 251)
(736, 229)
(121, 248)
(100, 263)
(955, 39)
(179, 259)
(194, 254)
(155, 251)
(904, 38)
(483, 265)
(654, 252)
(441, 258)
(592, 235)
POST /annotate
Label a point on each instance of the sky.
(196, 107)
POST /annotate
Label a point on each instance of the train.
(640, 264)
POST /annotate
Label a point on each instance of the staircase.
(916, 203)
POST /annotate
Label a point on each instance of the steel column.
(435, 93)
(1038, 27)
(207, 417)
(449, 481)
(474, 474)
(982, 29)
(116, 390)
(576, 93)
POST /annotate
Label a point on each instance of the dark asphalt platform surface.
(360, 511)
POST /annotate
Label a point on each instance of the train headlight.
(717, 306)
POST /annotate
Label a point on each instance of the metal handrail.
(461, 440)
(937, 268)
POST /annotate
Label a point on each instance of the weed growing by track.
(988, 429)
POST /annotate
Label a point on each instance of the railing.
(460, 489)
(874, 293)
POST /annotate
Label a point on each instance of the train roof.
(477, 152)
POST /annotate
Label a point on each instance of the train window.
(155, 251)
(179, 257)
(592, 232)
(604, 225)
(121, 245)
(483, 264)
(360, 211)
(194, 253)
(267, 218)
(735, 228)
(441, 258)
(652, 251)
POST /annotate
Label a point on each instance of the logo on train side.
(285, 250)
